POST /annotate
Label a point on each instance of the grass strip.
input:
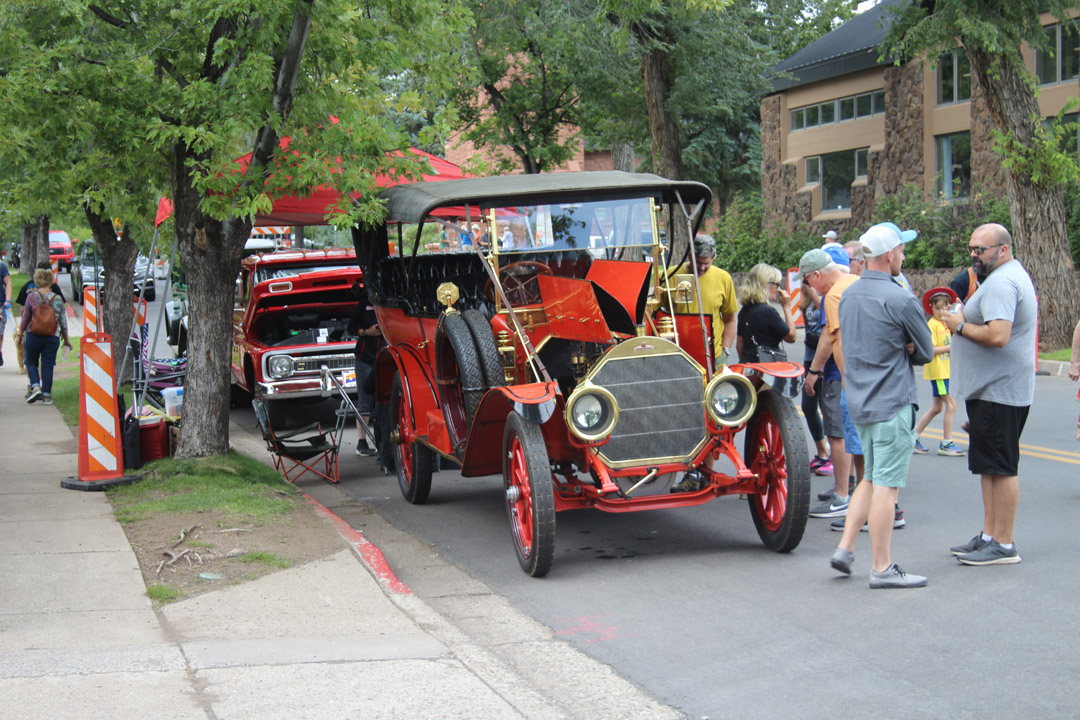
(241, 487)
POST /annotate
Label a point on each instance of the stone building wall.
(901, 161)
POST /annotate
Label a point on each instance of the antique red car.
(290, 319)
(564, 355)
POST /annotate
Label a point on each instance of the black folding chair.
(307, 449)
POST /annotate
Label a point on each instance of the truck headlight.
(591, 412)
(280, 366)
(730, 399)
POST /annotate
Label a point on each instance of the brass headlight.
(591, 412)
(730, 399)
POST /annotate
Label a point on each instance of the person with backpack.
(44, 327)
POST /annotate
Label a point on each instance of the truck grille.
(661, 408)
(312, 363)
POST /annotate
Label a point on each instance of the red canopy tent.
(312, 209)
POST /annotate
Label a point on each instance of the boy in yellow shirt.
(936, 302)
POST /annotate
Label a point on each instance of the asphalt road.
(689, 605)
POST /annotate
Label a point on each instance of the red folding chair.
(307, 449)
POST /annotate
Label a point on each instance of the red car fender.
(780, 369)
(416, 380)
(483, 452)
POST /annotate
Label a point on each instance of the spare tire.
(459, 377)
(486, 349)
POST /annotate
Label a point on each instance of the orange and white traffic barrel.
(101, 454)
(90, 310)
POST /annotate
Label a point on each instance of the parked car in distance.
(291, 317)
(87, 270)
(60, 249)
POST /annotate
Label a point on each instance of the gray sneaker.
(34, 395)
(842, 559)
(836, 507)
(992, 553)
(970, 546)
(894, 577)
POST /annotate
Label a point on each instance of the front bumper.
(305, 387)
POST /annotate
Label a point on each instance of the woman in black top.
(761, 327)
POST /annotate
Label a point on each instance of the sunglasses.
(980, 249)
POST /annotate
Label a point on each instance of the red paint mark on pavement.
(368, 552)
(587, 625)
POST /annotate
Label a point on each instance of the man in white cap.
(880, 321)
(830, 237)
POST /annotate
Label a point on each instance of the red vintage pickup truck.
(291, 317)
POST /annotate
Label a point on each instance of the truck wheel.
(459, 377)
(412, 460)
(486, 349)
(530, 494)
(776, 451)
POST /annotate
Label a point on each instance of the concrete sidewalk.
(336, 638)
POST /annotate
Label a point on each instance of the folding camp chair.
(307, 449)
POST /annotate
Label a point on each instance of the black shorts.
(994, 431)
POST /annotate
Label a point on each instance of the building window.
(954, 165)
(1061, 62)
(831, 111)
(953, 78)
(861, 158)
(838, 171)
(813, 170)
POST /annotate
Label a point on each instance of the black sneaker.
(992, 553)
(836, 506)
(365, 450)
(692, 481)
(970, 546)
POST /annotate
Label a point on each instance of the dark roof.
(413, 201)
(849, 48)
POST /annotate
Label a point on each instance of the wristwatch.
(960, 328)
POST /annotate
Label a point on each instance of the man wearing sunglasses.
(993, 355)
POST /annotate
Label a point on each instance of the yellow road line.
(1067, 456)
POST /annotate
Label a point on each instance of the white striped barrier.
(90, 310)
(101, 453)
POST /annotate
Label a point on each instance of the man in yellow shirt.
(718, 296)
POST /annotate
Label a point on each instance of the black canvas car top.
(410, 203)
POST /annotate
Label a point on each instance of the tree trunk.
(118, 255)
(664, 135)
(35, 243)
(28, 249)
(210, 257)
(622, 157)
(1037, 210)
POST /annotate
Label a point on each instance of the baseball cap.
(880, 239)
(838, 254)
(813, 260)
(831, 235)
(929, 296)
(905, 235)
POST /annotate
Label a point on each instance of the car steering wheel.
(517, 280)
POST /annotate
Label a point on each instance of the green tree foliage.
(523, 90)
(179, 89)
(992, 33)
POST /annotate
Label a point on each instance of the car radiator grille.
(661, 408)
(312, 363)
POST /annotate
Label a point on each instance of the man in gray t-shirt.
(993, 369)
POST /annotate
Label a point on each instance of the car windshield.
(603, 229)
(281, 272)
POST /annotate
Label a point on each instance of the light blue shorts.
(852, 445)
(887, 447)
